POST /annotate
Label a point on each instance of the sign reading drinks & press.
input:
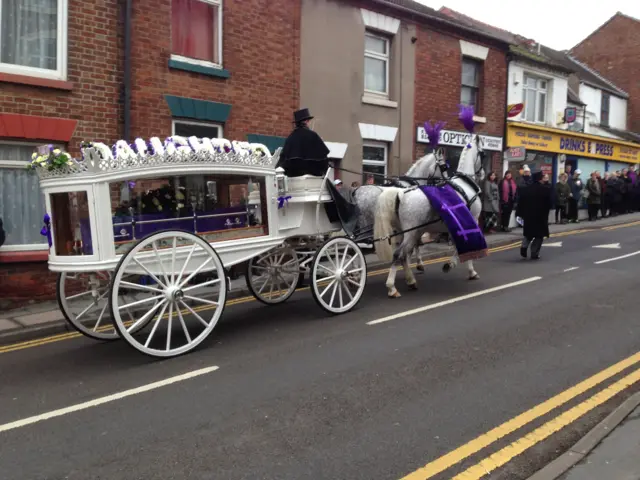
(461, 139)
(582, 145)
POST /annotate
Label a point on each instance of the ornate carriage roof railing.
(101, 162)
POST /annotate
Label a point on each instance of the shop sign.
(515, 154)
(570, 114)
(515, 109)
(584, 145)
(461, 139)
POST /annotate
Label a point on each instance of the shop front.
(550, 150)
(453, 142)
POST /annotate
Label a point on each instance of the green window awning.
(196, 109)
(269, 141)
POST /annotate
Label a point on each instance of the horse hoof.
(413, 286)
(474, 277)
(446, 267)
(395, 294)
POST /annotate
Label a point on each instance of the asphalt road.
(299, 394)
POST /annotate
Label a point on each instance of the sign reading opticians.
(460, 139)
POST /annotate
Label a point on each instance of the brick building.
(198, 67)
(612, 50)
(61, 89)
(459, 63)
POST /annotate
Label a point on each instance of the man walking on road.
(533, 208)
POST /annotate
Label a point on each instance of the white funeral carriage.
(145, 236)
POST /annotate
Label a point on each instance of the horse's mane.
(418, 163)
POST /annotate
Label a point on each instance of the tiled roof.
(585, 74)
(519, 44)
(573, 97)
(418, 8)
(626, 135)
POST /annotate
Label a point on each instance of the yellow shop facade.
(550, 149)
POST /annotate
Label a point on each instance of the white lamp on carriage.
(281, 182)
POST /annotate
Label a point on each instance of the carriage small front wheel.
(338, 275)
(273, 276)
(183, 303)
(83, 300)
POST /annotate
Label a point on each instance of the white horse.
(366, 196)
(409, 211)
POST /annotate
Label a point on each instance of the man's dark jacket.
(533, 208)
(304, 153)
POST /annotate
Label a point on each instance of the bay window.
(196, 31)
(374, 161)
(376, 64)
(22, 205)
(535, 99)
(33, 38)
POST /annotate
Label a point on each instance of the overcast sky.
(559, 24)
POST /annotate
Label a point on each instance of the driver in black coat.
(304, 152)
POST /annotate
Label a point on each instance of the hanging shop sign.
(461, 139)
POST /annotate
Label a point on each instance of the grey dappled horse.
(402, 209)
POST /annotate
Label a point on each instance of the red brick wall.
(261, 51)
(438, 84)
(24, 283)
(614, 52)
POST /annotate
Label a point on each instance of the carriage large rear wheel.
(338, 275)
(184, 304)
(273, 276)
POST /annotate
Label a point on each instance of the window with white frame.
(33, 37)
(376, 64)
(187, 128)
(470, 90)
(374, 161)
(535, 99)
(22, 205)
(196, 31)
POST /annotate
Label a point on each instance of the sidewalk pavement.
(45, 318)
(611, 451)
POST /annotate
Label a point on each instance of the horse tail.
(386, 211)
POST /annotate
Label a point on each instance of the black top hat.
(301, 115)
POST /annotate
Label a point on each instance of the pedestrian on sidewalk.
(576, 186)
(593, 200)
(491, 203)
(508, 195)
(563, 193)
(604, 199)
(534, 206)
(627, 188)
(614, 186)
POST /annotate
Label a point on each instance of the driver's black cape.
(304, 153)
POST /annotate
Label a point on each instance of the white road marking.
(555, 244)
(570, 269)
(453, 300)
(617, 258)
(610, 245)
(109, 398)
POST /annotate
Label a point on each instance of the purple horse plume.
(433, 133)
(466, 117)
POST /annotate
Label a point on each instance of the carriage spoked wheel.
(83, 301)
(182, 307)
(273, 276)
(338, 275)
(82, 298)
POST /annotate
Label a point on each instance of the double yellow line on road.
(517, 447)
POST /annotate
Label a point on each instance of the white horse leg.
(392, 292)
(408, 275)
(451, 264)
(419, 262)
(473, 275)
